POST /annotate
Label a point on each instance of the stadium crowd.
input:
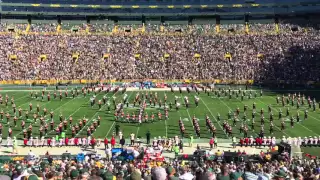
(289, 56)
(93, 167)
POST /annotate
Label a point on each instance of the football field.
(209, 104)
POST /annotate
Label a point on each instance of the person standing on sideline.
(122, 142)
(191, 140)
(181, 146)
(132, 139)
(113, 142)
(215, 142)
(148, 135)
(106, 143)
(211, 142)
(234, 142)
(176, 150)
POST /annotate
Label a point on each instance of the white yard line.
(313, 117)
(297, 123)
(188, 114)
(110, 128)
(214, 118)
(21, 97)
(137, 131)
(165, 121)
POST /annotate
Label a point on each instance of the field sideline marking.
(297, 123)
(214, 118)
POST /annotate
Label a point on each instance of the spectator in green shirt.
(224, 175)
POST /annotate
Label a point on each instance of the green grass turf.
(210, 105)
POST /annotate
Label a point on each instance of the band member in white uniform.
(30, 142)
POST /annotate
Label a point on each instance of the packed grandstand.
(288, 56)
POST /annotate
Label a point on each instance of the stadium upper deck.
(159, 7)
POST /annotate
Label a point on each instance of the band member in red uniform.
(20, 112)
(113, 142)
(41, 131)
(159, 115)
(84, 121)
(73, 132)
(26, 115)
(46, 129)
(77, 128)
(70, 120)
(14, 108)
(15, 119)
(24, 133)
(133, 117)
(76, 141)
(42, 121)
(34, 117)
(95, 125)
(65, 123)
(116, 116)
(88, 132)
(57, 131)
(99, 119)
(60, 128)
(10, 131)
(92, 128)
(60, 117)
(23, 124)
(51, 125)
(38, 108)
(29, 132)
(44, 111)
(99, 104)
(80, 124)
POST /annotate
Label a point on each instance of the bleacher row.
(196, 28)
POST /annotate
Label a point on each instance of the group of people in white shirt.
(53, 142)
(298, 141)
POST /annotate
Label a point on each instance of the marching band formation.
(149, 99)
